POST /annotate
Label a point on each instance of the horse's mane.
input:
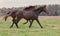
(41, 7)
(38, 9)
(29, 8)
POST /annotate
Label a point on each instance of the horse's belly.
(29, 17)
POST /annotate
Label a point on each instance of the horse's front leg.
(39, 23)
(12, 23)
(17, 21)
(30, 23)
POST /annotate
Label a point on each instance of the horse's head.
(41, 9)
(45, 9)
(7, 15)
(11, 13)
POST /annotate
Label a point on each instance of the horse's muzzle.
(6, 18)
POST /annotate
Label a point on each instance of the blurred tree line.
(54, 10)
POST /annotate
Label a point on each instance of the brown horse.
(30, 15)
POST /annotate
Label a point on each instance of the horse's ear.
(44, 5)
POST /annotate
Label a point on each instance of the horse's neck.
(38, 12)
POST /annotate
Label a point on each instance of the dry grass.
(50, 17)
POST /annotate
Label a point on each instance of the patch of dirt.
(2, 18)
(50, 17)
(40, 17)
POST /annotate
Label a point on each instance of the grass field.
(51, 27)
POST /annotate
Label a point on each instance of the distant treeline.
(54, 10)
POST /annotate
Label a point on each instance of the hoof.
(29, 27)
(10, 27)
(17, 27)
(42, 27)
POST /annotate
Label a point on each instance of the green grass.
(51, 28)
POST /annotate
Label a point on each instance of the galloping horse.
(30, 15)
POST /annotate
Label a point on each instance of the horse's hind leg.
(39, 23)
(26, 22)
(12, 25)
